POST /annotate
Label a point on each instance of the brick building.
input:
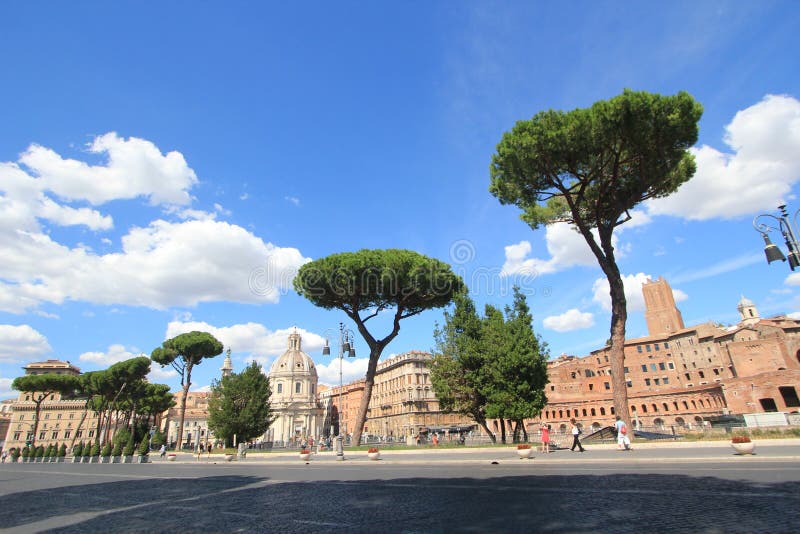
(677, 376)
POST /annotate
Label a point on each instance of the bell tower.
(662, 316)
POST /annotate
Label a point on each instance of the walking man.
(576, 432)
(623, 441)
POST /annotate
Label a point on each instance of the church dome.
(294, 361)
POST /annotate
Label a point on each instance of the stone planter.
(143, 459)
(374, 455)
(116, 459)
(60, 460)
(525, 453)
(230, 457)
(171, 457)
(77, 459)
(127, 459)
(305, 456)
(744, 448)
(105, 459)
(87, 459)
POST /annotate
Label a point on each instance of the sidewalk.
(653, 452)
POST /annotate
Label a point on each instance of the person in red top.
(545, 438)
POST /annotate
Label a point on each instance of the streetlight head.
(326, 350)
(794, 260)
(352, 352)
(346, 347)
(771, 250)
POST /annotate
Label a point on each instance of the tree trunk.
(75, 435)
(619, 316)
(183, 404)
(369, 380)
(502, 431)
(489, 433)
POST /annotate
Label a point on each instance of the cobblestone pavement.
(513, 495)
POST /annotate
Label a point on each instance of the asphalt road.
(688, 489)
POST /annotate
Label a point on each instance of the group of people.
(623, 440)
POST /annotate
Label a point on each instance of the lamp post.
(346, 339)
(766, 222)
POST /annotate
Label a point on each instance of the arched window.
(655, 408)
(280, 388)
(593, 413)
(602, 411)
(644, 408)
(297, 387)
(584, 412)
(665, 406)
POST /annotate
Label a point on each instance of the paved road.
(695, 489)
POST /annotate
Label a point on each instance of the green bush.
(25, 452)
(96, 448)
(117, 450)
(62, 451)
(144, 447)
(87, 449)
(40, 451)
(14, 454)
(78, 450)
(158, 439)
(106, 452)
(121, 437)
(129, 447)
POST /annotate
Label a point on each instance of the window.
(67, 434)
(22, 417)
(91, 434)
(655, 345)
(656, 381)
(552, 388)
(644, 367)
(671, 365)
(78, 434)
(41, 434)
(638, 348)
(789, 395)
(662, 366)
(688, 376)
(716, 371)
(280, 388)
(666, 344)
(701, 373)
(647, 348)
(665, 380)
(54, 435)
(58, 416)
(591, 387)
(16, 436)
(629, 383)
(646, 381)
(653, 367)
(626, 370)
(607, 385)
(297, 387)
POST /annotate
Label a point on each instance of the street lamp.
(346, 340)
(765, 223)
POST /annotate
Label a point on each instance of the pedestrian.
(435, 439)
(545, 438)
(623, 441)
(163, 450)
(576, 432)
(5, 454)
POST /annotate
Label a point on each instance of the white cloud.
(633, 292)
(20, 343)
(164, 264)
(253, 338)
(792, 280)
(572, 319)
(201, 389)
(793, 315)
(6, 392)
(135, 167)
(115, 353)
(567, 248)
(293, 200)
(758, 175)
(352, 369)
(158, 373)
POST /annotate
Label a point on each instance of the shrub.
(87, 449)
(373, 449)
(117, 449)
(95, 451)
(144, 447)
(740, 439)
(158, 439)
(40, 451)
(523, 446)
(48, 451)
(121, 437)
(25, 452)
(106, 450)
(14, 454)
(128, 450)
(78, 450)
(62, 451)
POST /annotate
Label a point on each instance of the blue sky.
(167, 166)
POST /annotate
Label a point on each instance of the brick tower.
(662, 316)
